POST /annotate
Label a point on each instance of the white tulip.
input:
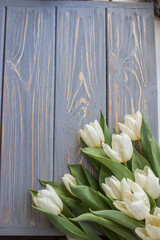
(122, 148)
(132, 125)
(112, 187)
(92, 134)
(135, 202)
(148, 181)
(67, 180)
(152, 227)
(47, 199)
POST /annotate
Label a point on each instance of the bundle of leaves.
(123, 201)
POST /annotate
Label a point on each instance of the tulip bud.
(152, 227)
(67, 180)
(112, 187)
(132, 126)
(121, 150)
(47, 199)
(135, 201)
(92, 134)
(148, 181)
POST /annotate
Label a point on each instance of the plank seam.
(2, 86)
(55, 54)
(107, 60)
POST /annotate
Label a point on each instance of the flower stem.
(63, 216)
(126, 164)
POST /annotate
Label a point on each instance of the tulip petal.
(111, 153)
(98, 129)
(138, 118)
(55, 198)
(115, 186)
(92, 135)
(152, 185)
(71, 178)
(142, 233)
(138, 209)
(47, 205)
(124, 188)
(108, 191)
(157, 212)
(127, 131)
(67, 181)
(140, 178)
(123, 145)
(85, 138)
(153, 232)
(121, 206)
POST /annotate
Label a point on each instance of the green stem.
(126, 164)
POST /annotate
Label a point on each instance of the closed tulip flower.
(67, 180)
(148, 181)
(47, 199)
(112, 187)
(152, 227)
(92, 134)
(121, 150)
(135, 201)
(132, 126)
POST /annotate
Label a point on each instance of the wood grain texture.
(28, 110)
(2, 29)
(132, 82)
(73, 3)
(80, 80)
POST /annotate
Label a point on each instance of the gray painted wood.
(132, 82)
(2, 27)
(73, 3)
(28, 115)
(80, 80)
(29, 142)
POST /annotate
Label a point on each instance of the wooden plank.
(132, 82)
(80, 80)
(28, 114)
(2, 27)
(73, 3)
(157, 35)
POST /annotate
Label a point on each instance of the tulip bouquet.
(123, 201)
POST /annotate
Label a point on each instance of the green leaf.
(74, 204)
(64, 225)
(107, 135)
(83, 176)
(59, 188)
(93, 183)
(89, 197)
(138, 161)
(120, 218)
(90, 232)
(113, 226)
(158, 202)
(118, 170)
(104, 172)
(115, 131)
(150, 148)
(33, 192)
(152, 203)
(108, 200)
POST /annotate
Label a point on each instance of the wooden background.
(60, 62)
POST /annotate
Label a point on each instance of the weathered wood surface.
(73, 3)
(28, 114)
(30, 146)
(2, 29)
(132, 82)
(80, 80)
